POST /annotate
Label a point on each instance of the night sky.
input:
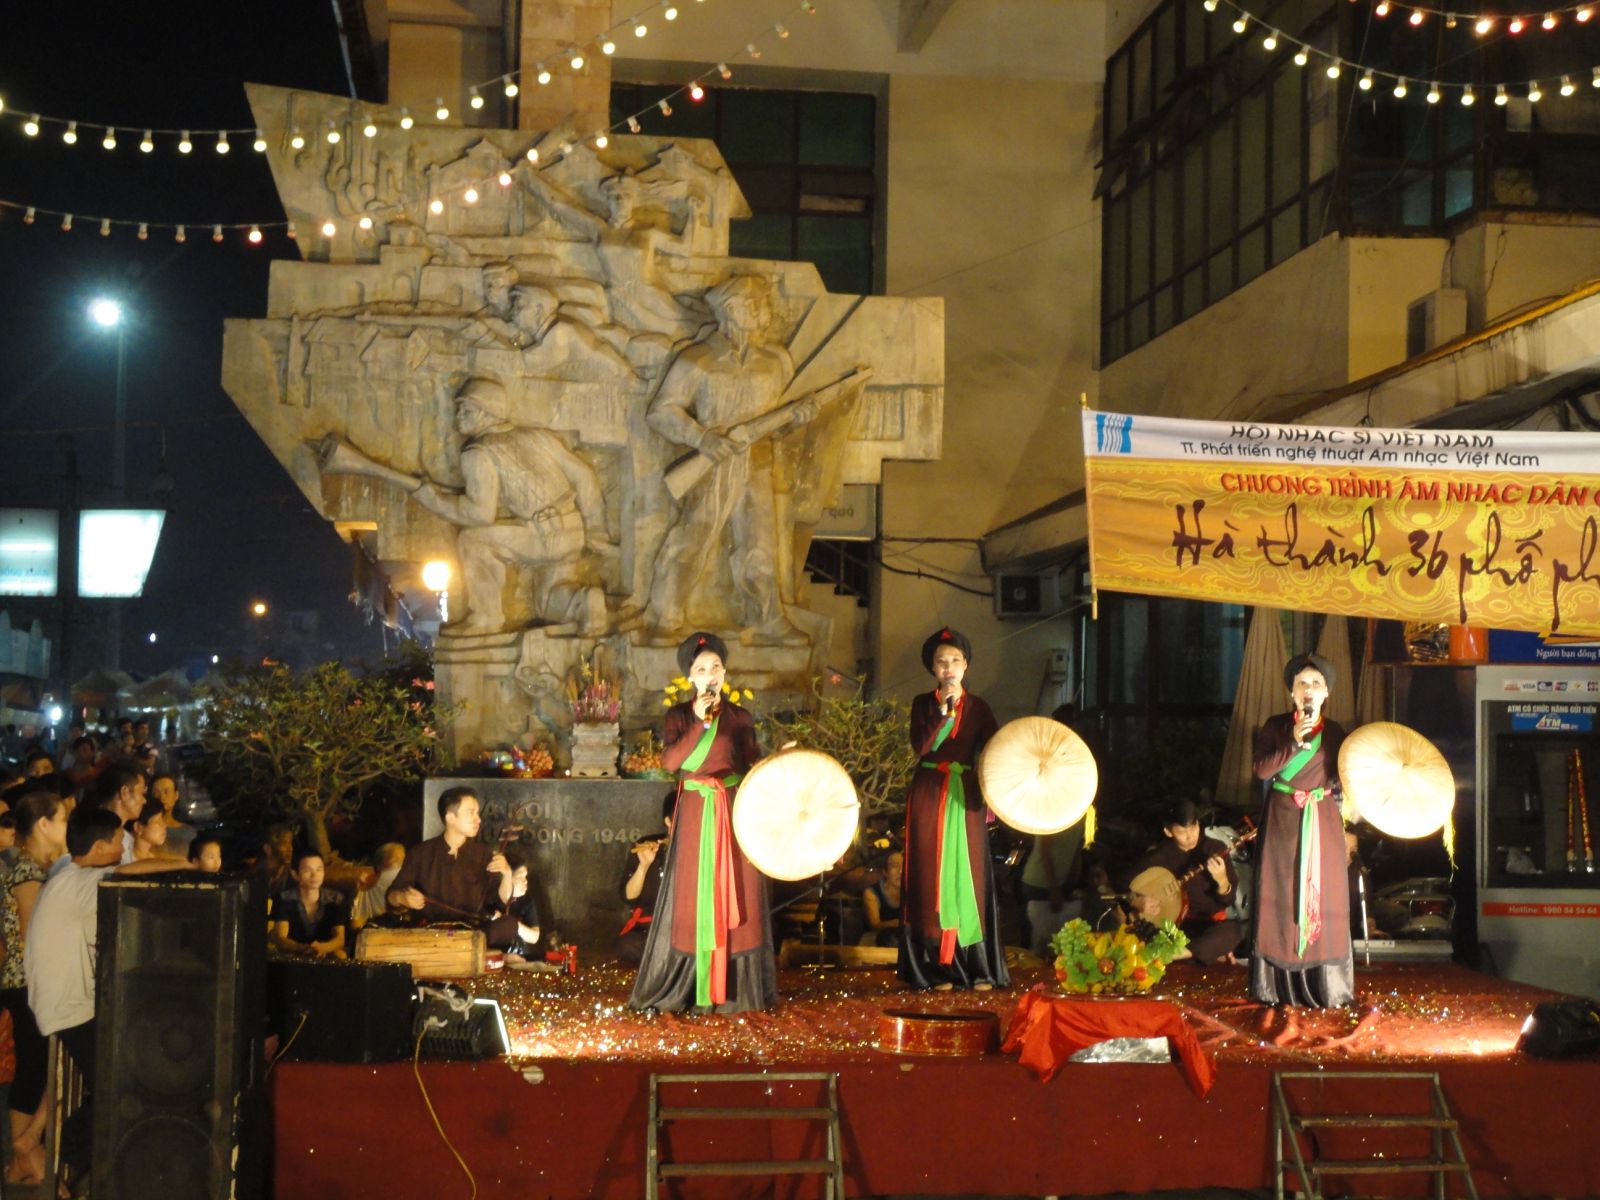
(237, 528)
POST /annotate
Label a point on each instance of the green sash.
(1308, 910)
(958, 895)
(714, 887)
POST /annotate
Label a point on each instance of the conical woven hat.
(795, 814)
(1397, 780)
(1037, 775)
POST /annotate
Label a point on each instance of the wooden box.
(432, 953)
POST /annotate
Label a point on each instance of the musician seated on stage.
(456, 879)
(641, 883)
(1209, 889)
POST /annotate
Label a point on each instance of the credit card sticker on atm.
(1551, 718)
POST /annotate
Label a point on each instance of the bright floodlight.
(115, 549)
(436, 575)
(105, 312)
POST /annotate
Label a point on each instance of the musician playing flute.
(949, 933)
(1301, 916)
(1208, 881)
(710, 944)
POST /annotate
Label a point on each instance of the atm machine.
(1538, 792)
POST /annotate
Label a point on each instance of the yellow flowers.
(680, 690)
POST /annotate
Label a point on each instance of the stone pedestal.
(595, 749)
(577, 834)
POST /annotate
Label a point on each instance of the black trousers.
(77, 1133)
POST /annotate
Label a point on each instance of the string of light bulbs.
(1271, 40)
(1485, 23)
(255, 232)
(222, 141)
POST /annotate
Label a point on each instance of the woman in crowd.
(949, 935)
(308, 918)
(149, 830)
(709, 946)
(880, 903)
(42, 833)
(1301, 913)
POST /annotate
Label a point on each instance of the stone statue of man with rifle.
(722, 399)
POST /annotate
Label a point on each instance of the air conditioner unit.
(1437, 318)
(1019, 594)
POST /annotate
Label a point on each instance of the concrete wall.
(1505, 266)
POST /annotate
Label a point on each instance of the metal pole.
(119, 484)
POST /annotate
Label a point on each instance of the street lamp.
(259, 608)
(108, 313)
(436, 578)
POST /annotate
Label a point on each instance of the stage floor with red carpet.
(566, 1114)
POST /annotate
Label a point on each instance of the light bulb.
(666, 109)
(1483, 25)
(441, 110)
(1270, 42)
(1515, 26)
(365, 222)
(333, 135)
(66, 223)
(724, 70)
(633, 124)
(1211, 5)
(1468, 97)
(1534, 94)
(1595, 82)
(1500, 96)
(696, 92)
(511, 89)
(601, 141)
(216, 233)
(254, 236)
(640, 29)
(1333, 70)
(670, 13)
(753, 50)
(1433, 93)
(1582, 15)
(147, 143)
(1382, 8)
(179, 235)
(1240, 23)
(1416, 16)
(144, 231)
(608, 47)
(470, 195)
(476, 101)
(105, 226)
(222, 146)
(577, 61)
(260, 144)
(436, 206)
(1549, 21)
(1365, 82)
(329, 229)
(1301, 58)
(406, 119)
(533, 154)
(290, 232)
(110, 139)
(504, 178)
(370, 129)
(184, 144)
(2, 104)
(1400, 89)
(544, 75)
(31, 126)
(297, 141)
(27, 217)
(781, 30)
(1567, 86)
(70, 136)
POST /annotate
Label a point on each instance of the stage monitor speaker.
(1562, 1029)
(453, 1024)
(178, 1105)
(340, 1011)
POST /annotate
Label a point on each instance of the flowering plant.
(1115, 960)
(594, 694)
(680, 690)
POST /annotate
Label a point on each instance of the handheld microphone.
(1307, 709)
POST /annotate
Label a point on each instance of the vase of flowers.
(595, 695)
(1114, 962)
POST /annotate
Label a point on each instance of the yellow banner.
(1504, 549)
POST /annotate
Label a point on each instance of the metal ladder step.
(1367, 1166)
(819, 1166)
(744, 1114)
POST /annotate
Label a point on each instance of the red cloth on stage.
(1046, 1031)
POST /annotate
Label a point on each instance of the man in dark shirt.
(1213, 936)
(454, 877)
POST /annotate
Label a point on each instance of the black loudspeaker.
(179, 1109)
(1562, 1029)
(453, 1024)
(340, 1011)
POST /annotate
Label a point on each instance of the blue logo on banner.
(1113, 433)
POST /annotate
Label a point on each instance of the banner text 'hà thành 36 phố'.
(1491, 528)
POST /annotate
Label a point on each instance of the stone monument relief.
(535, 360)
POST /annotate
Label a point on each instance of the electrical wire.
(416, 1069)
(284, 1049)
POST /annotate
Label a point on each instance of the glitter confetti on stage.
(1404, 1012)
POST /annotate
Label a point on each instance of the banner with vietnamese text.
(1489, 528)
